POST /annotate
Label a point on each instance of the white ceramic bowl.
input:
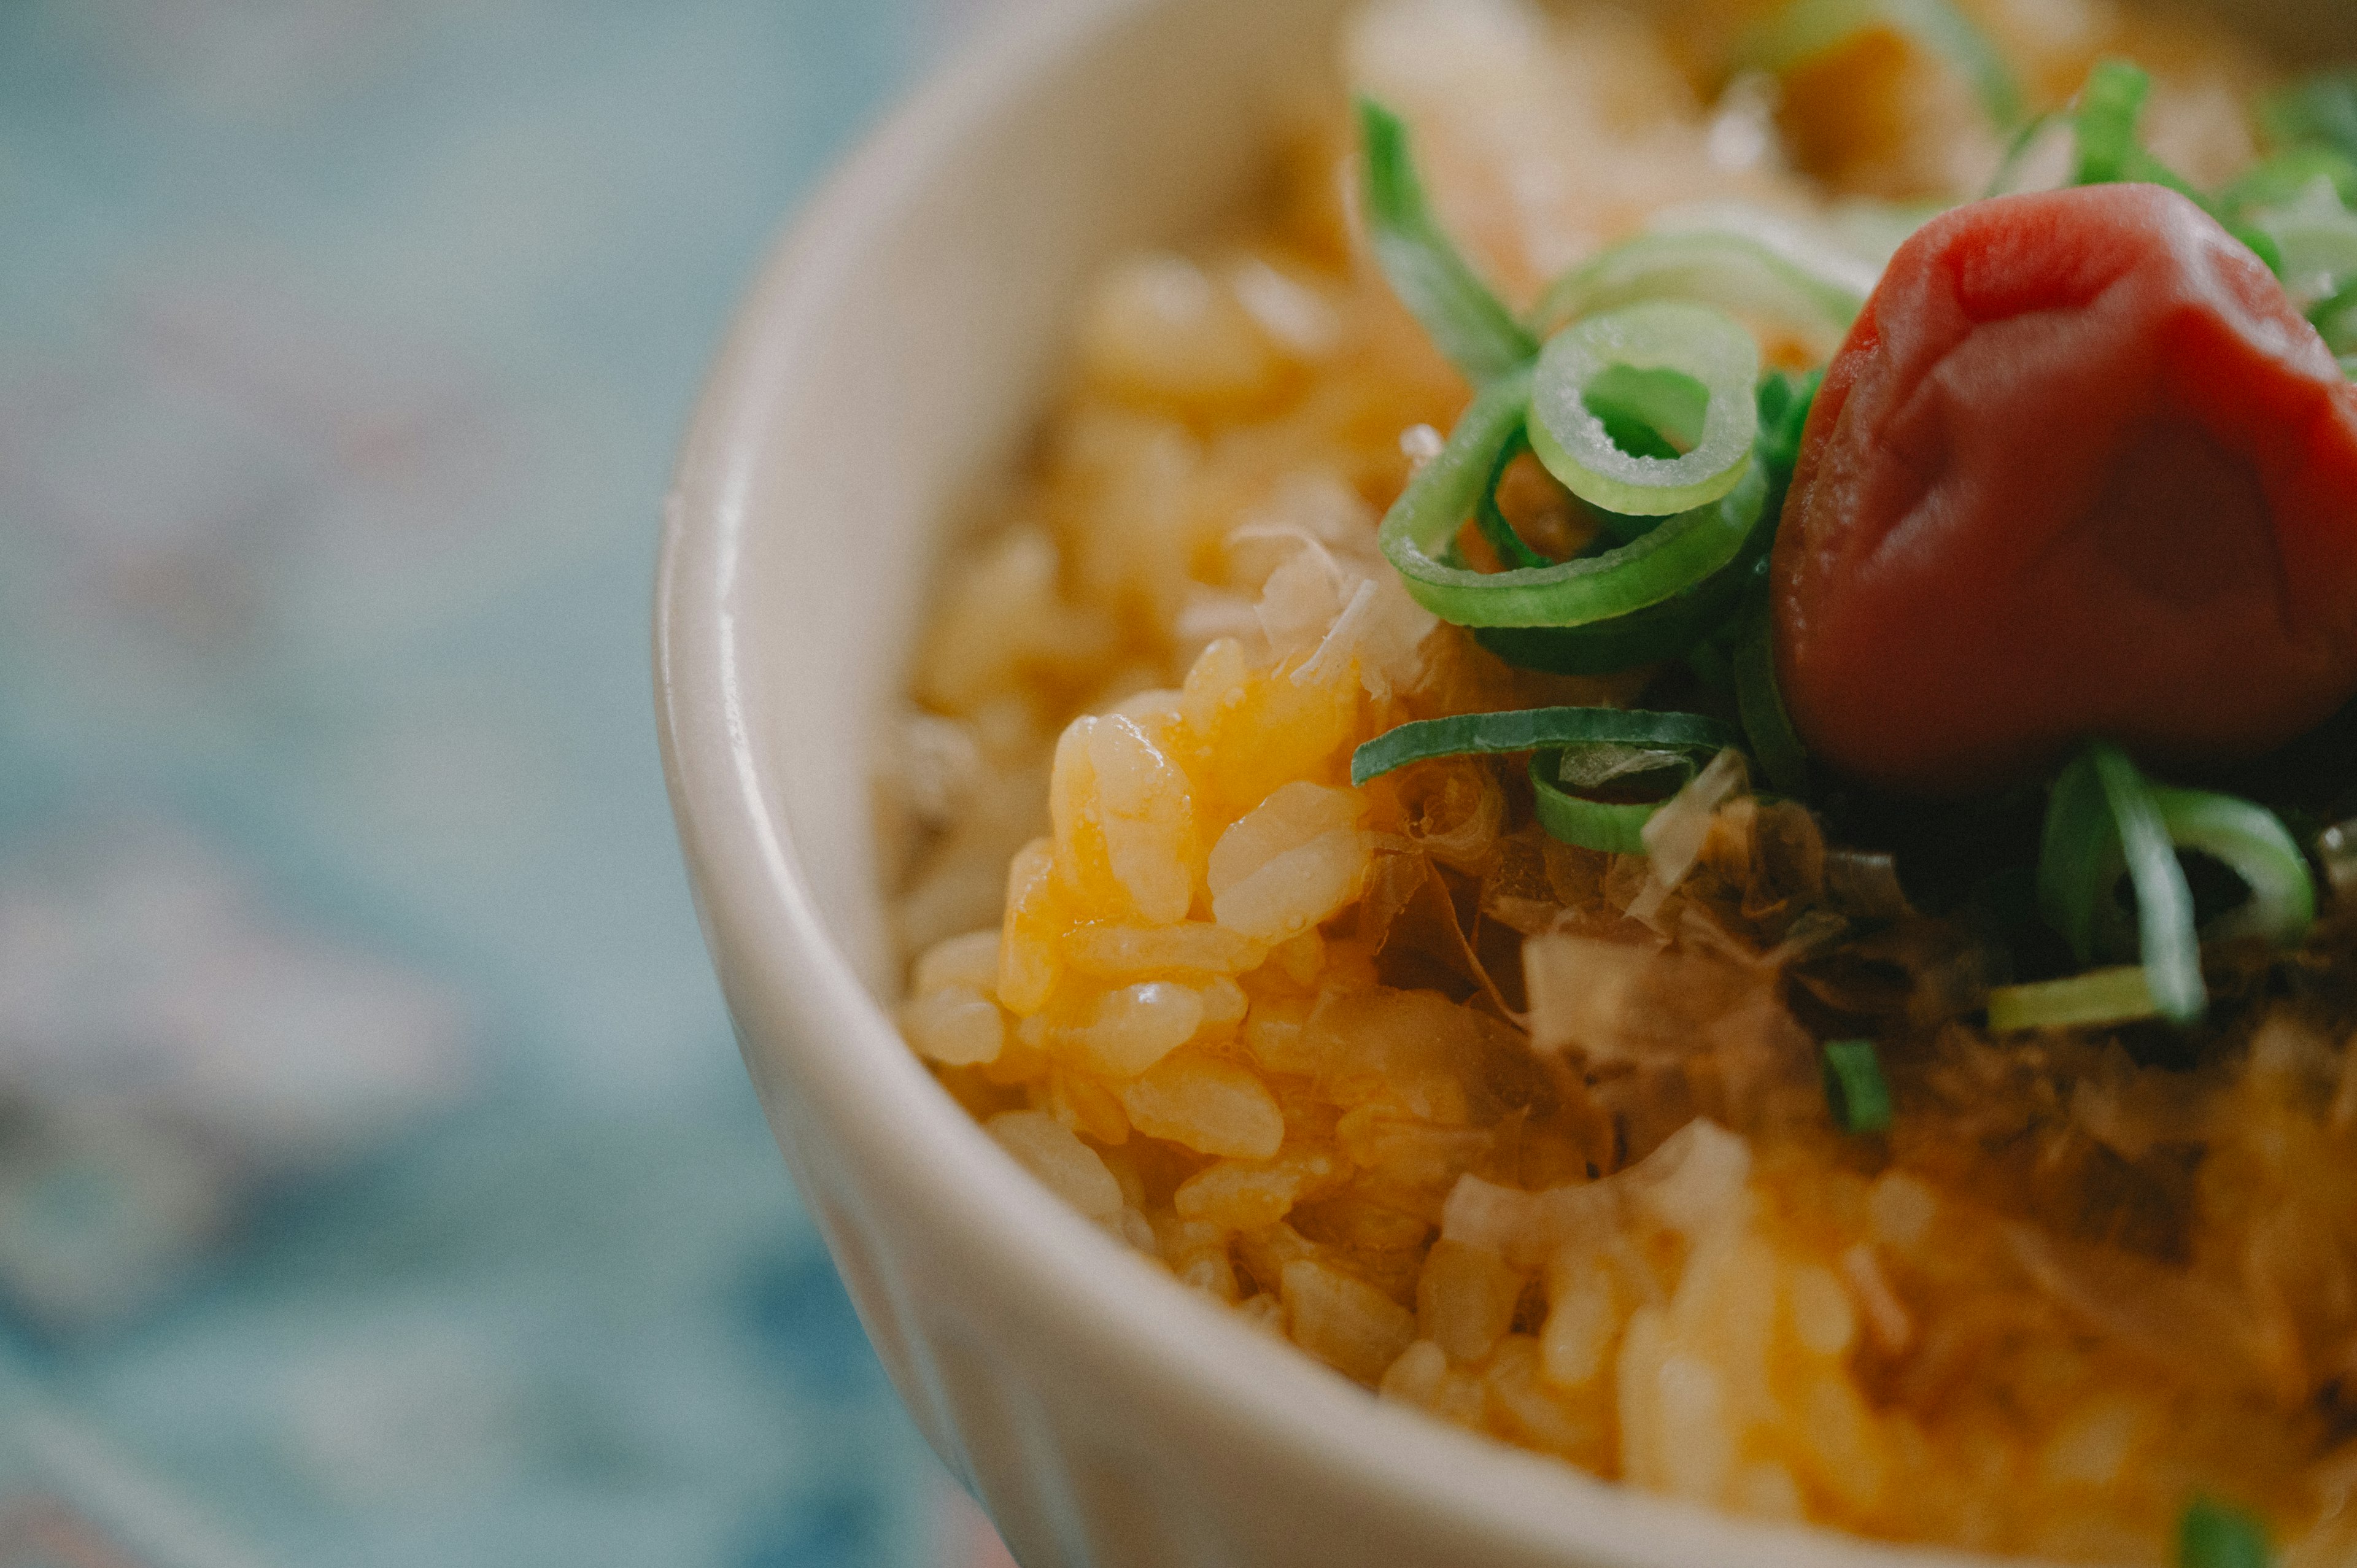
(893, 357)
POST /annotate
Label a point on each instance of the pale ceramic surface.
(892, 356)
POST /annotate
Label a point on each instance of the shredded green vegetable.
(2099, 997)
(2213, 1535)
(1537, 729)
(1761, 703)
(1495, 526)
(1855, 1086)
(1616, 827)
(2320, 112)
(1648, 364)
(1479, 335)
(1759, 268)
(2105, 121)
(1422, 524)
(2103, 814)
(1808, 28)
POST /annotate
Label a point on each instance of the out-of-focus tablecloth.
(378, 1182)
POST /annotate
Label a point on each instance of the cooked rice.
(1282, 1036)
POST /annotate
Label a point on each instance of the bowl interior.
(891, 364)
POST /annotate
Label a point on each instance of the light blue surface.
(377, 1175)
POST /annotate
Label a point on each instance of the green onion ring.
(1761, 701)
(1688, 340)
(2105, 119)
(2212, 1535)
(1536, 729)
(1855, 1086)
(2098, 997)
(2101, 814)
(2251, 842)
(1812, 28)
(1615, 827)
(1679, 552)
(1758, 269)
(1513, 551)
(1479, 335)
(1649, 636)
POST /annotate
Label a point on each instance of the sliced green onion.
(2212, 1535)
(1855, 1086)
(1681, 552)
(1616, 827)
(2105, 121)
(2314, 235)
(2109, 106)
(1495, 526)
(1745, 263)
(2320, 112)
(1679, 624)
(1646, 636)
(1478, 334)
(2103, 814)
(2335, 320)
(1784, 404)
(2077, 857)
(2173, 954)
(2251, 842)
(1644, 361)
(2088, 842)
(1537, 729)
(2098, 997)
(2285, 176)
(1761, 701)
(1808, 28)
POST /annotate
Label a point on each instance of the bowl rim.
(778, 962)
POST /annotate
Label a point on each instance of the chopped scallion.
(1676, 556)
(1759, 268)
(2109, 106)
(1855, 1086)
(2099, 997)
(2320, 112)
(1648, 365)
(2213, 1535)
(1808, 28)
(1537, 729)
(1510, 550)
(1616, 827)
(1478, 334)
(1761, 703)
(2101, 815)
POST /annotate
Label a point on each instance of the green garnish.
(1616, 827)
(2109, 106)
(1761, 701)
(2320, 111)
(1759, 271)
(2103, 814)
(1423, 523)
(1479, 335)
(1577, 754)
(1516, 554)
(2098, 997)
(1538, 729)
(2213, 1535)
(1855, 1086)
(1809, 29)
(1683, 375)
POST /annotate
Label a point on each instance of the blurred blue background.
(378, 1181)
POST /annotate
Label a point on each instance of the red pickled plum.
(2081, 468)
